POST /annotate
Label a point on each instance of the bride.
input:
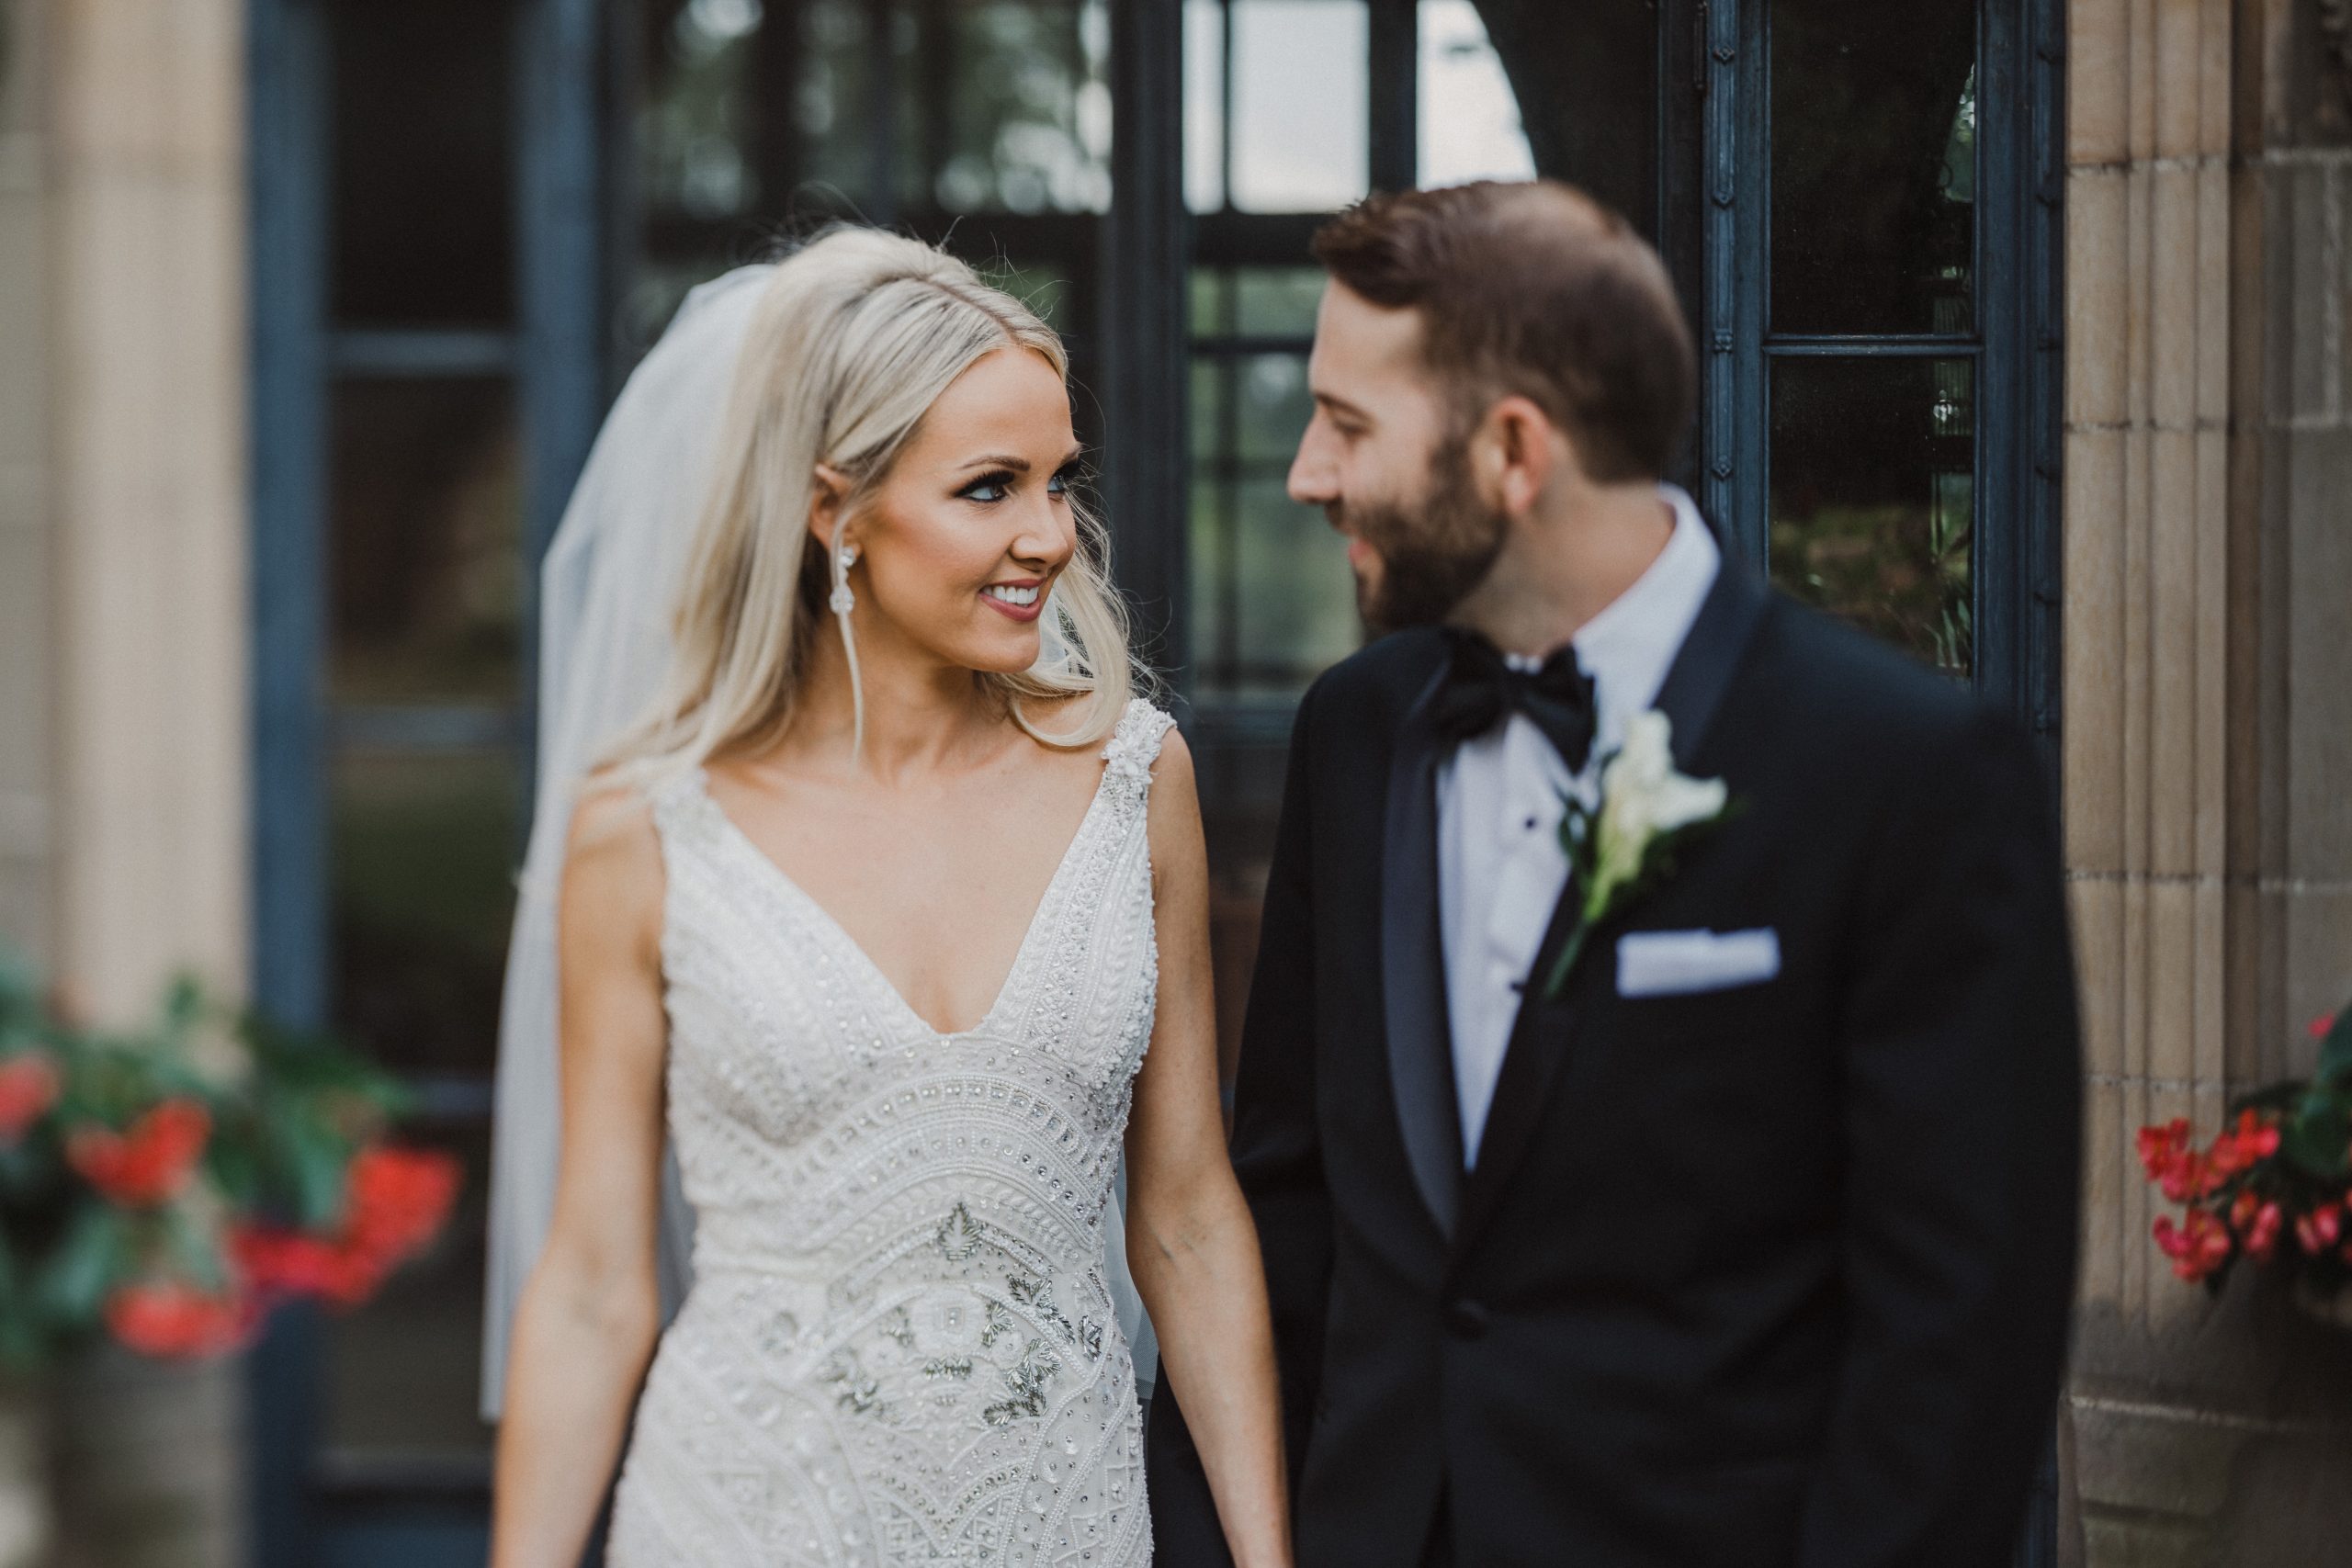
(890, 918)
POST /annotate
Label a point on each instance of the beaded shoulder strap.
(682, 809)
(1135, 746)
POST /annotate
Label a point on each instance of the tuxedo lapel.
(1542, 1033)
(1412, 969)
(1709, 657)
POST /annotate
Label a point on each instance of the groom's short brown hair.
(1535, 289)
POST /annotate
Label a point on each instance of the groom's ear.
(1515, 453)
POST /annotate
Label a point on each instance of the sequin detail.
(900, 1349)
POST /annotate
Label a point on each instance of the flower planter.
(2334, 1311)
(2274, 1187)
(147, 1461)
(162, 1191)
(26, 1518)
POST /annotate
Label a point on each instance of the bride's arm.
(585, 1325)
(1191, 1244)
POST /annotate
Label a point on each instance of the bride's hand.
(1191, 1244)
(587, 1321)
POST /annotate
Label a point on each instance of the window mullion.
(1393, 94)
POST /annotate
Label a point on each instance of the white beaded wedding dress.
(900, 1347)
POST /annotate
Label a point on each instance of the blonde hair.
(854, 338)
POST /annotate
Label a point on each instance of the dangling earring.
(842, 601)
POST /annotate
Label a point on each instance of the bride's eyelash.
(1062, 481)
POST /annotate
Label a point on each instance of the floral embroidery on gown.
(898, 1348)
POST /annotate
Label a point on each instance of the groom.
(1737, 1226)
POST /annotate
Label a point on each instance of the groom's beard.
(1432, 552)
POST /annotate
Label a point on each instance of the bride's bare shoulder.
(608, 816)
(612, 856)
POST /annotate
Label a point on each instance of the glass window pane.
(831, 90)
(1272, 408)
(1210, 431)
(1873, 167)
(424, 848)
(1873, 496)
(404, 1372)
(984, 125)
(424, 549)
(1211, 311)
(1272, 600)
(1296, 597)
(1300, 123)
(694, 134)
(1581, 95)
(1024, 125)
(1470, 128)
(1277, 301)
(422, 175)
(1203, 105)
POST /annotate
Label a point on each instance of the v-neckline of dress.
(840, 935)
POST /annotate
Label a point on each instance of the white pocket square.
(1678, 963)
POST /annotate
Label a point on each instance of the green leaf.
(74, 1285)
(2314, 1136)
(2278, 1096)
(235, 1165)
(2336, 1051)
(315, 1161)
(195, 1251)
(1565, 965)
(20, 1335)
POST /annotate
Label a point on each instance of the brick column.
(2209, 732)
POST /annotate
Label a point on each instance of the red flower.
(29, 1087)
(397, 1201)
(2253, 1140)
(151, 1162)
(2196, 1248)
(169, 1318)
(2161, 1146)
(2258, 1225)
(2322, 1026)
(2320, 1230)
(2170, 1159)
(289, 1263)
(2169, 1156)
(2235, 1150)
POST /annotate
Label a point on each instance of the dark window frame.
(2016, 342)
(571, 182)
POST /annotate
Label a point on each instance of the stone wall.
(123, 618)
(2209, 729)
(146, 243)
(26, 742)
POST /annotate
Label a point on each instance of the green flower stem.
(1565, 965)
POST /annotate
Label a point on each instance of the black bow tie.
(1480, 689)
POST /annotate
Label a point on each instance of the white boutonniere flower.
(1627, 844)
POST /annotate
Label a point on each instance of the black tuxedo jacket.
(1776, 1275)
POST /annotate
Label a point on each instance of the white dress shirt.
(1500, 869)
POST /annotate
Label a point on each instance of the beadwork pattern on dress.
(900, 1347)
